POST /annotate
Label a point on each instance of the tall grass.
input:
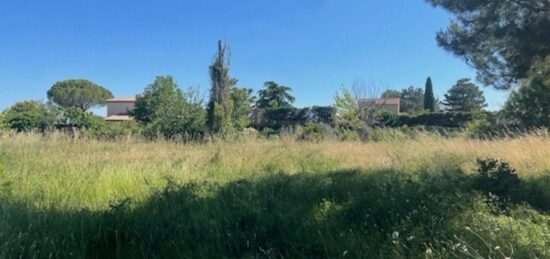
(399, 197)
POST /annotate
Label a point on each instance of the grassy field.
(399, 198)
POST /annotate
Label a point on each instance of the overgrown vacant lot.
(404, 197)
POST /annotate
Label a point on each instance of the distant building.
(388, 104)
(118, 109)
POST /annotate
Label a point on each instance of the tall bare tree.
(220, 106)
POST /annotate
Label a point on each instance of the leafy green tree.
(166, 110)
(242, 107)
(502, 39)
(31, 115)
(347, 110)
(412, 100)
(530, 105)
(429, 98)
(220, 107)
(464, 96)
(391, 94)
(83, 120)
(274, 96)
(78, 93)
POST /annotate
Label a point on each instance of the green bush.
(498, 179)
(312, 132)
(438, 119)
(277, 118)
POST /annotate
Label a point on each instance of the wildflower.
(429, 251)
(497, 247)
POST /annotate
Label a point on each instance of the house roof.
(129, 99)
(382, 101)
(119, 118)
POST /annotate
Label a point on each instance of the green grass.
(400, 198)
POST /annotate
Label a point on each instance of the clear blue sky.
(314, 46)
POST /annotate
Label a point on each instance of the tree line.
(505, 41)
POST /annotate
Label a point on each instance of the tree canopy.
(412, 99)
(391, 94)
(502, 39)
(464, 96)
(530, 105)
(165, 109)
(242, 107)
(274, 96)
(31, 115)
(78, 93)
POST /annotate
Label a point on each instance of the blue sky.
(313, 46)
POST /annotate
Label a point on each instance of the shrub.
(438, 119)
(277, 118)
(312, 132)
(496, 177)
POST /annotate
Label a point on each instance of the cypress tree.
(429, 98)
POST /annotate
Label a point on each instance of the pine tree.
(429, 98)
(464, 96)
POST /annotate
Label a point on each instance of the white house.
(118, 109)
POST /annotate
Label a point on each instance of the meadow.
(399, 197)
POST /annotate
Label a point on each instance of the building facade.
(118, 109)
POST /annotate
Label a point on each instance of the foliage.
(347, 110)
(312, 132)
(391, 94)
(429, 97)
(412, 100)
(502, 39)
(277, 118)
(498, 179)
(439, 119)
(3, 124)
(167, 111)
(220, 107)
(274, 96)
(31, 115)
(83, 120)
(529, 106)
(464, 96)
(78, 93)
(242, 107)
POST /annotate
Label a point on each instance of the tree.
(390, 94)
(242, 107)
(347, 110)
(502, 39)
(429, 98)
(78, 93)
(464, 96)
(412, 100)
(31, 115)
(220, 106)
(166, 110)
(529, 106)
(274, 96)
